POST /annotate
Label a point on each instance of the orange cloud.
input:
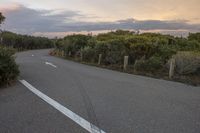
(4, 8)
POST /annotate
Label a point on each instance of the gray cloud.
(27, 21)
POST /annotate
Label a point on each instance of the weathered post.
(60, 53)
(135, 68)
(70, 53)
(99, 61)
(125, 62)
(172, 68)
(81, 56)
(63, 53)
(57, 52)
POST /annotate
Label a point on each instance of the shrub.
(141, 46)
(153, 64)
(165, 52)
(8, 68)
(88, 54)
(74, 43)
(187, 62)
(116, 51)
(101, 47)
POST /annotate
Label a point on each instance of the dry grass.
(187, 62)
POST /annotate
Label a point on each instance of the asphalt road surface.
(112, 102)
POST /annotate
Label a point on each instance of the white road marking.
(48, 63)
(32, 55)
(76, 118)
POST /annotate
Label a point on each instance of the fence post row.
(171, 69)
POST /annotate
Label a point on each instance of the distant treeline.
(24, 42)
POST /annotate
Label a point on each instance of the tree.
(2, 18)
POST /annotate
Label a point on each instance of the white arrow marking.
(48, 63)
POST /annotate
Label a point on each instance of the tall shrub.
(8, 68)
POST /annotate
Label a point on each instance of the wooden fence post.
(99, 61)
(57, 52)
(125, 62)
(81, 56)
(62, 53)
(172, 68)
(70, 53)
(135, 68)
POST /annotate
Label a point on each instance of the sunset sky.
(56, 17)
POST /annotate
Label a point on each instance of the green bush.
(152, 51)
(141, 46)
(115, 52)
(8, 68)
(88, 54)
(153, 64)
(73, 43)
(165, 52)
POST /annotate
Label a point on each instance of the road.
(114, 102)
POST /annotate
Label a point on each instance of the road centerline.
(51, 64)
(73, 116)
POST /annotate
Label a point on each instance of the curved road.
(110, 101)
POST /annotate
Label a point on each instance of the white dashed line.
(48, 63)
(76, 118)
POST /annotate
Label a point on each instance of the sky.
(60, 17)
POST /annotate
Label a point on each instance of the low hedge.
(8, 68)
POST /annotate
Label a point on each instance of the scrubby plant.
(74, 43)
(88, 54)
(151, 50)
(153, 64)
(115, 52)
(187, 62)
(8, 68)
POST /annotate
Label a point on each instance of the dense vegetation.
(11, 42)
(8, 68)
(148, 52)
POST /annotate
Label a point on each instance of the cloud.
(26, 20)
(29, 21)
